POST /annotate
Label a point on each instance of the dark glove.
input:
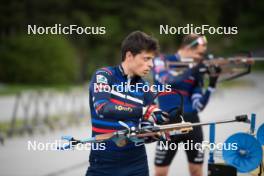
(213, 81)
(199, 69)
(214, 72)
(198, 72)
(148, 125)
(175, 115)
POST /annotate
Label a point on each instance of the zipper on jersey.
(128, 86)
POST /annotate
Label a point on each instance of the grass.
(5, 125)
(241, 83)
(258, 66)
(236, 83)
(11, 89)
(19, 123)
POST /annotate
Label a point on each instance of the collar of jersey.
(121, 70)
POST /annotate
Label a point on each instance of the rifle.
(231, 68)
(137, 134)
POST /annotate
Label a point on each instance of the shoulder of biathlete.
(195, 98)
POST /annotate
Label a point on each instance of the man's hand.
(198, 72)
(147, 126)
(214, 72)
(199, 69)
(155, 115)
(149, 139)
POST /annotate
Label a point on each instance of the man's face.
(141, 64)
(198, 52)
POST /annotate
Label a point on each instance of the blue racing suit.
(190, 85)
(114, 97)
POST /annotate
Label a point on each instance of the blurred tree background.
(71, 59)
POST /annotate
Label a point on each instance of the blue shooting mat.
(247, 156)
(260, 134)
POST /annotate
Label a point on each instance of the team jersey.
(189, 85)
(111, 101)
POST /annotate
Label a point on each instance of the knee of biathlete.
(196, 169)
(161, 170)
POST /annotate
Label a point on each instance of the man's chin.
(141, 75)
(145, 73)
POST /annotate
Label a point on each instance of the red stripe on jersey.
(101, 130)
(189, 81)
(184, 93)
(121, 103)
(100, 106)
(107, 70)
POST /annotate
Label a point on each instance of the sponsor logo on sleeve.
(101, 79)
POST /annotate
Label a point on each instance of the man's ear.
(129, 55)
(189, 51)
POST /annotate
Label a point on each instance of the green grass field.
(6, 89)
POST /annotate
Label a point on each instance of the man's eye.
(146, 58)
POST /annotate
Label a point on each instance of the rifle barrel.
(241, 118)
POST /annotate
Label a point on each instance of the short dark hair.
(187, 40)
(137, 42)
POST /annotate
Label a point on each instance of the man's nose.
(151, 63)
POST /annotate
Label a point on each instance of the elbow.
(173, 81)
(101, 110)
